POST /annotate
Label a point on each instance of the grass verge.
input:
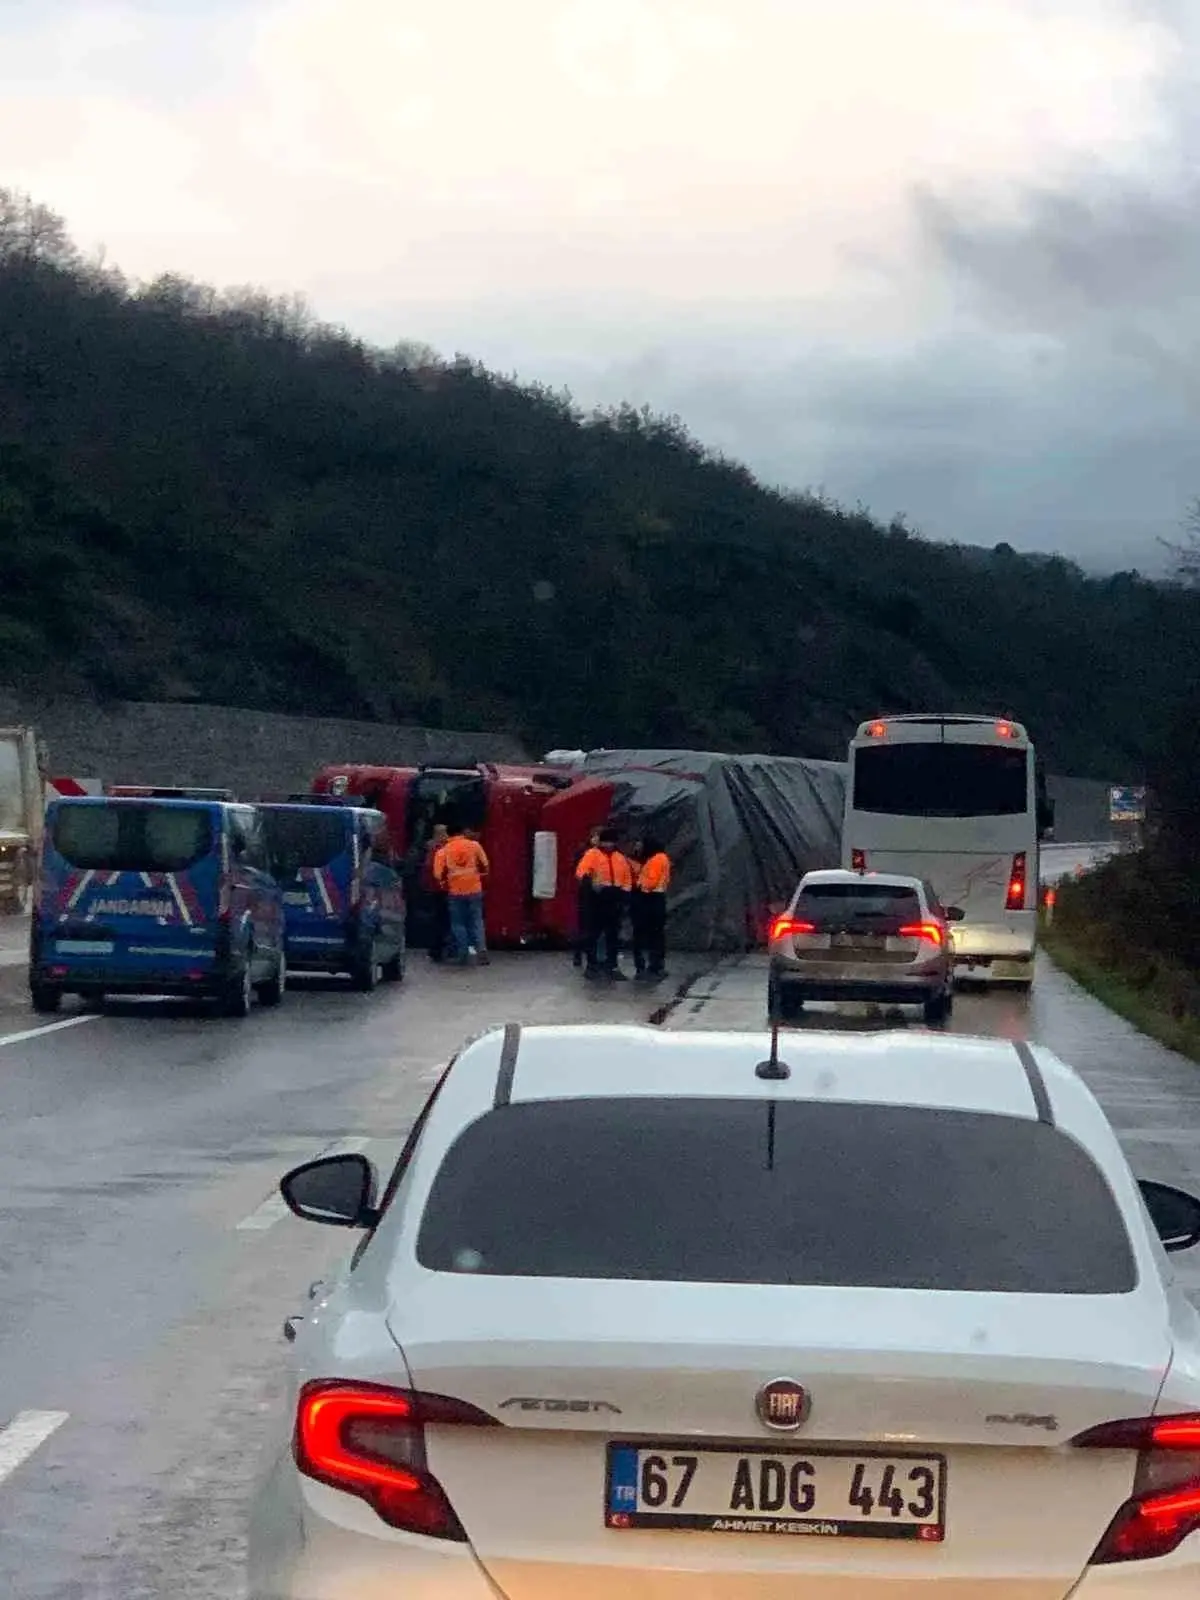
(1151, 1004)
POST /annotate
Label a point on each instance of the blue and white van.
(156, 896)
(343, 897)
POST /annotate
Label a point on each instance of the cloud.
(706, 205)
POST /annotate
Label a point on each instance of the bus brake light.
(858, 860)
(1005, 730)
(1015, 899)
(877, 730)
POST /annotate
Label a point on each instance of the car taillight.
(786, 927)
(1164, 1507)
(858, 860)
(1015, 899)
(924, 930)
(368, 1440)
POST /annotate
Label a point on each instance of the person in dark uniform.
(612, 881)
(650, 910)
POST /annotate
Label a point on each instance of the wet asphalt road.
(145, 1269)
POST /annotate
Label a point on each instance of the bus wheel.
(45, 998)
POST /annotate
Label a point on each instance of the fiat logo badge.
(783, 1405)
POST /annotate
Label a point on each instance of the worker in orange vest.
(649, 910)
(611, 878)
(461, 867)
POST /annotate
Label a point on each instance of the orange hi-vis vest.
(655, 875)
(460, 865)
(607, 869)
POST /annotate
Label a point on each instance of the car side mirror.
(955, 914)
(1174, 1213)
(336, 1190)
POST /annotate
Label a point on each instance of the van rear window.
(131, 837)
(298, 839)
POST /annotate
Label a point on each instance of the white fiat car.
(655, 1316)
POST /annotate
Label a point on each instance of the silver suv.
(862, 936)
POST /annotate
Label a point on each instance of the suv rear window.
(698, 1191)
(129, 837)
(824, 902)
(298, 839)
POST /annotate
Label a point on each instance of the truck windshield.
(311, 838)
(128, 837)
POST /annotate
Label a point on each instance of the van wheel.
(367, 972)
(271, 993)
(393, 970)
(46, 998)
(237, 997)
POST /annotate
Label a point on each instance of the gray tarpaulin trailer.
(740, 830)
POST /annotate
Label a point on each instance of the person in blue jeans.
(462, 867)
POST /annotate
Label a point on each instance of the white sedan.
(644, 1316)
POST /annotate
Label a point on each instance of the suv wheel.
(367, 971)
(937, 1007)
(783, 1005)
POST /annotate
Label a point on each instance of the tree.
(31, 232)
(1185, 556)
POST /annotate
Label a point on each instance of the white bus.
(959, 801)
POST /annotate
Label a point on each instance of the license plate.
(843, 1494)
(296, 898)
(858, 941)
(85, 947)
(1010, 969)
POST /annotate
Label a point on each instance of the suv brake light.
(786, 927)
(1164, 1507)
(924, 930)
(1015, 899)
(368, 1440)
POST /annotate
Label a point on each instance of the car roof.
(950, 1072)
(886, 880)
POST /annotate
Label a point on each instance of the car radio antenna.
(772, 1068)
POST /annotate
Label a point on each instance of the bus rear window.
(941, 780)
(131, 837)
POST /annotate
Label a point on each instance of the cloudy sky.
(938, 256)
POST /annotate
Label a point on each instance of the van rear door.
(132, 884)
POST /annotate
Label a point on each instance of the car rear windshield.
(733, 1191)
(941, 780)
(305, 838)
(846, 902)
(129, 837)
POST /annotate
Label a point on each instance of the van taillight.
(1015, 899)
(858, 860)
(369, 1441)
(1164, 1507)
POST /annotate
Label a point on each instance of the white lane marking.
(27, 1432)
(274, 1207)
(49, 1027)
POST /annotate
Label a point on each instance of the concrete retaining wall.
(250, 752)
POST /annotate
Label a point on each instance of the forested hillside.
(209, 495)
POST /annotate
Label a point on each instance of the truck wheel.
(367, 971)
(46, 998)
(237, 997)
(271, 993)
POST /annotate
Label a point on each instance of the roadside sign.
(1126, 805)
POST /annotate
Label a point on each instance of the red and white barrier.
(73, 786)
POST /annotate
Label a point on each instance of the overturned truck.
(740, 830)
